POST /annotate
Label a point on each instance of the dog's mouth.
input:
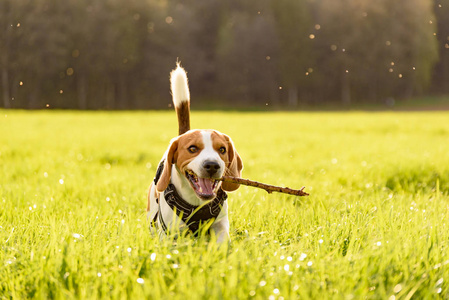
(205, 188)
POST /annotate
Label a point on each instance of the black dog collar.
(193, 216)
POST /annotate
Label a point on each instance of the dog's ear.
(234, 167)
(170, 156)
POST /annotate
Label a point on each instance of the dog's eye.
(222, 150)
(193, 149)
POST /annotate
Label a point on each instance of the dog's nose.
(211, 167)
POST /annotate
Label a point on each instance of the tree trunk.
(345, 90)
(82, 92)
(445, 72)
(33, 99)
(33, 87)
(275, 96)
(110, 95)
(5, 86)
(4, 66)
(293, 96)
(410, 89)
(122, 93)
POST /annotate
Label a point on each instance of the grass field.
(375, 226)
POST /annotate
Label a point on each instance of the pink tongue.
(206, 185)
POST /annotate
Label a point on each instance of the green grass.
(375, 226)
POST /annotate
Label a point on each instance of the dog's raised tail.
(181, 97)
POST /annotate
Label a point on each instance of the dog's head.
(202, 157)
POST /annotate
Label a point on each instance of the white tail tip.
(179, 86)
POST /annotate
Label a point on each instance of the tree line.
(112, 54)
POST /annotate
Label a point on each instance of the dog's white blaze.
(208, 153)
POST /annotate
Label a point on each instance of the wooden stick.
(266, 187)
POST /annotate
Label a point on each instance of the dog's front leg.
(221, 229)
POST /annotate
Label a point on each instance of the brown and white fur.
(194, 161)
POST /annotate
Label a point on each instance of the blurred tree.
(44, 47)
(197, 24)
(108, 54)
(415, 49)
(247, 54)
(6, 28)
(441, 73)
(294, 29)
(82, 49)
(377, 46)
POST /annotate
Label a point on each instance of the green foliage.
(73, 198)
(109, 54)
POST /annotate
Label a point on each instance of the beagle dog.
(186, 192)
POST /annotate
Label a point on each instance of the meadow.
(375, 226)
